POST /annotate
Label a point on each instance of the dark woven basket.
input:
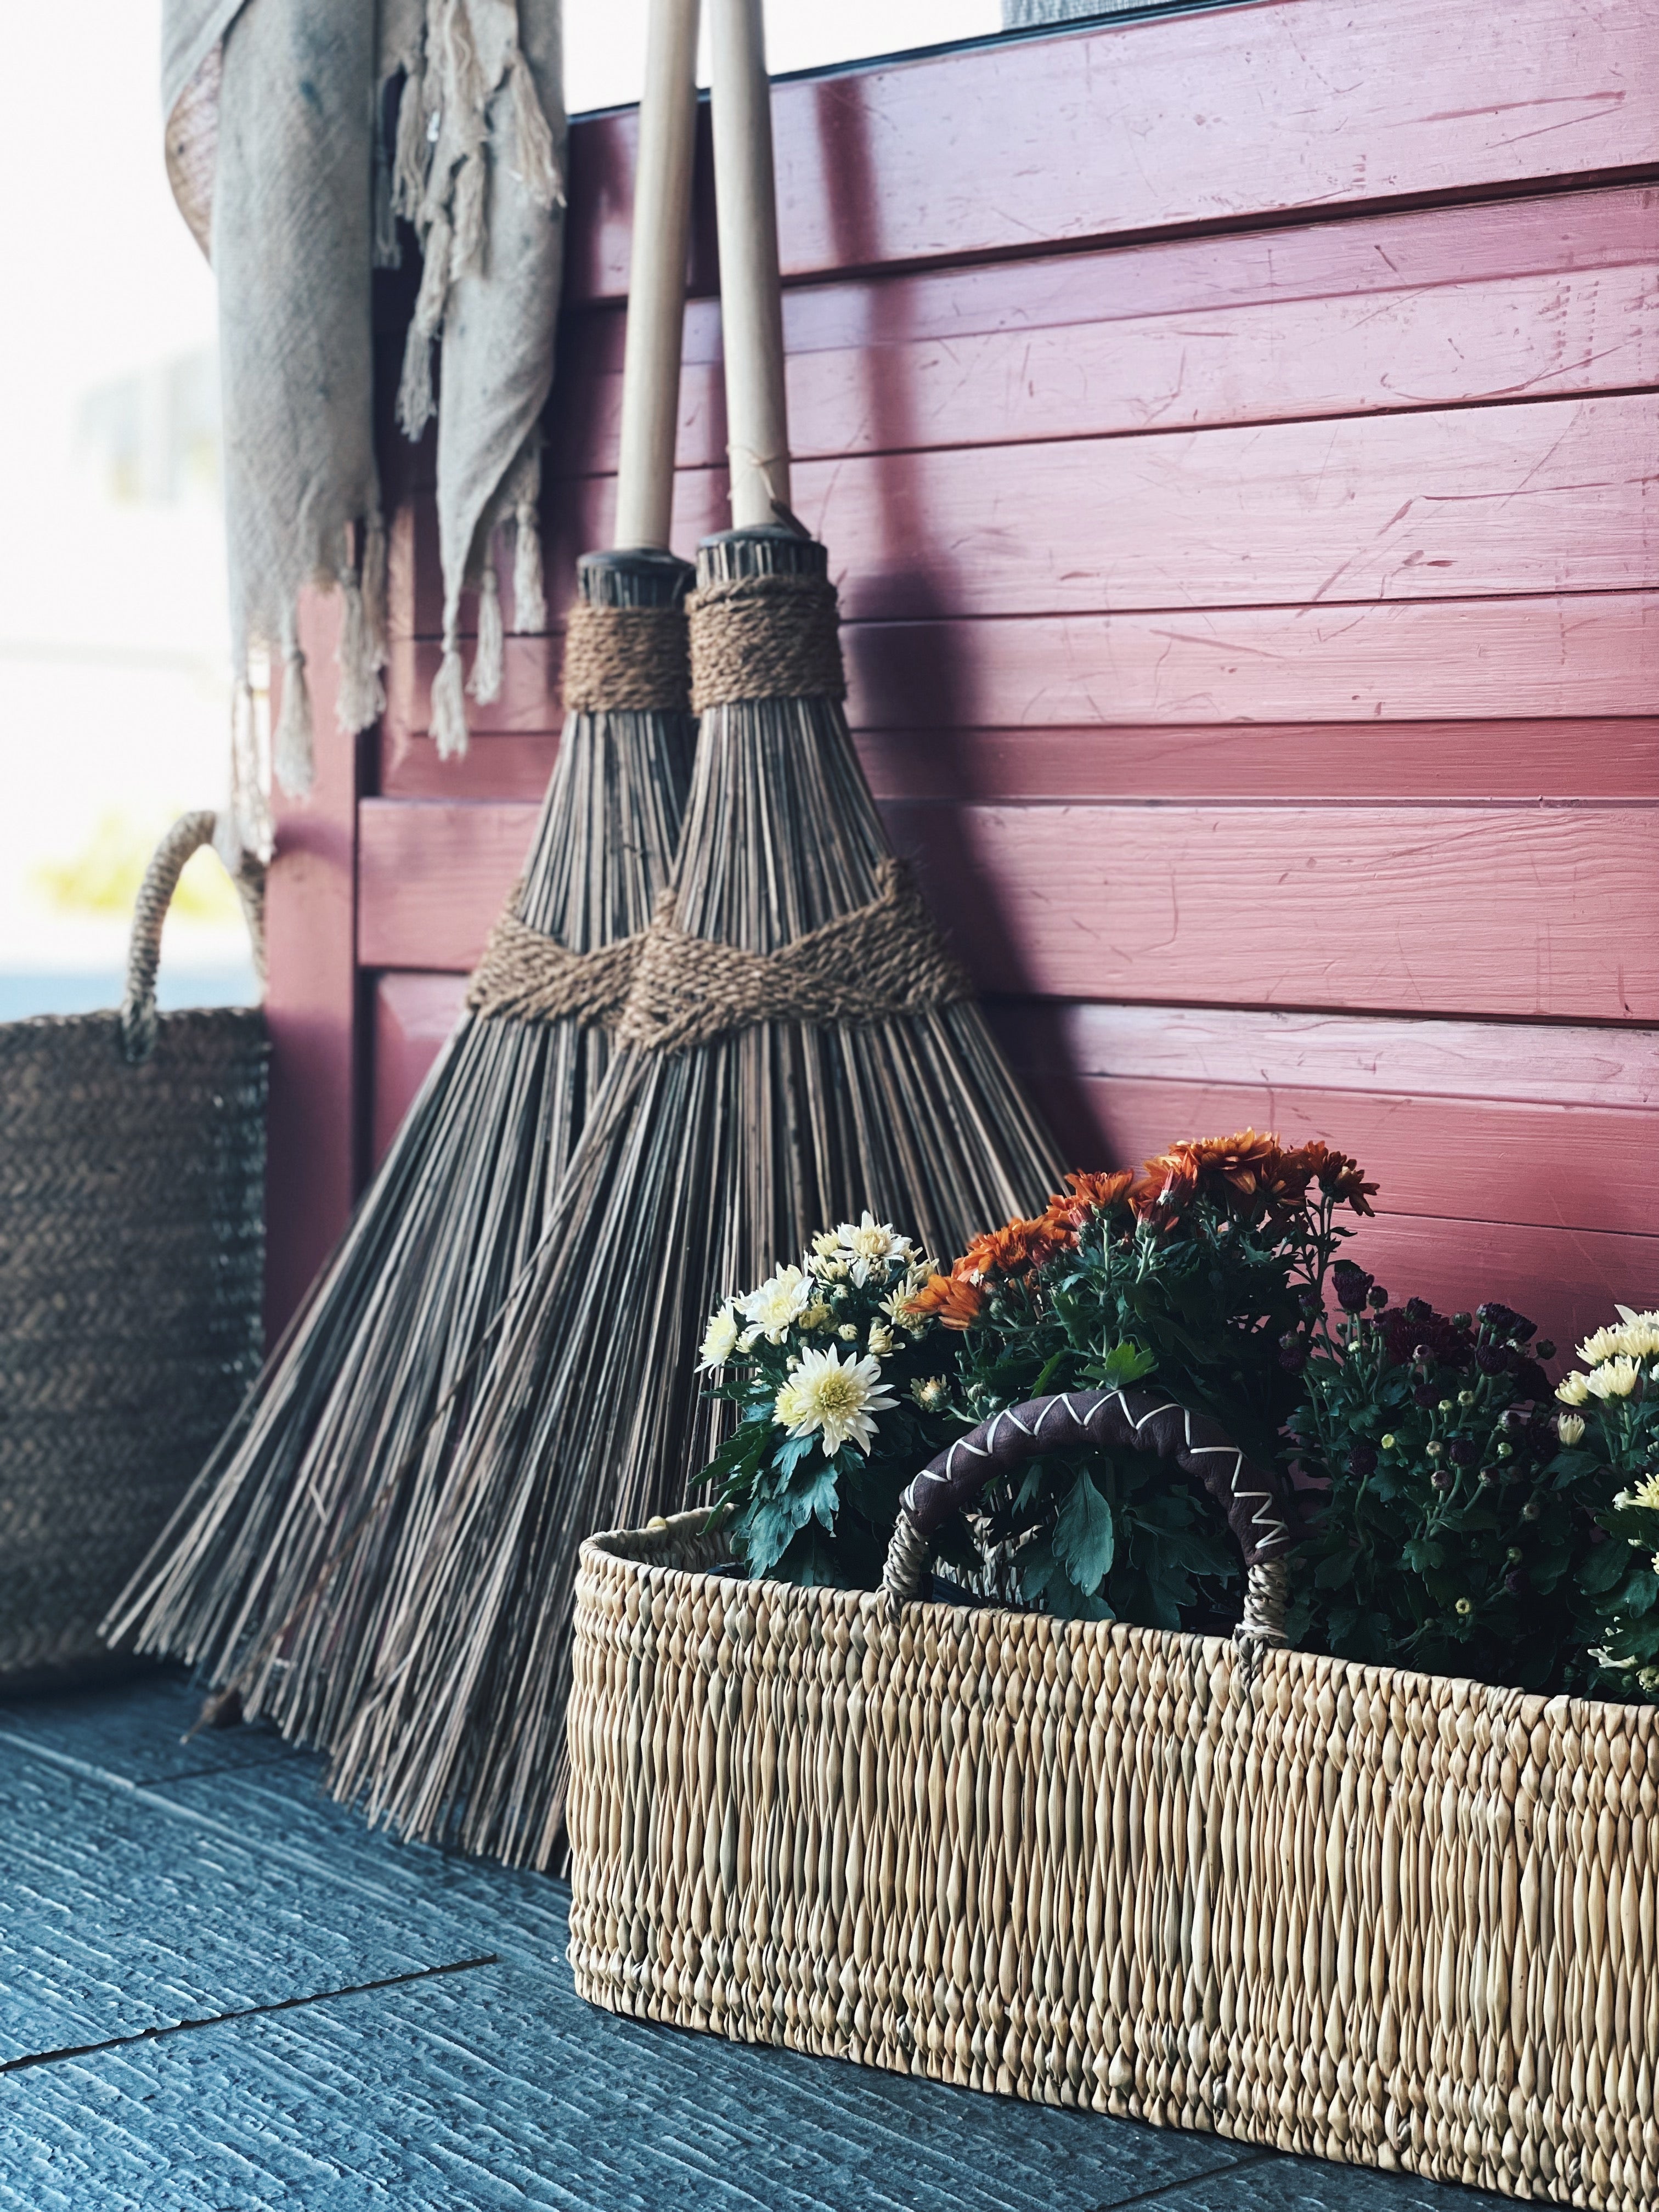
(132, 1149)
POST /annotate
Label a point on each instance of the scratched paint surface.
(145, 1883)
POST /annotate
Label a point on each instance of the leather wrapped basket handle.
(1255, 1500)
(137, 1016)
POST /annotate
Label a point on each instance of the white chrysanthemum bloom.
(1649, 1318)
(1600, 1346)
(827, 1243)
(848, 1332)
(1645, 1494)
(780, 1300)
(720, 1339)
(1635, 1339)
(880, 1339)
(1569, 1427)
(1573, 1389)
(870, 1243)
(838, 1398)
(817, 1315)
(1613, 1378)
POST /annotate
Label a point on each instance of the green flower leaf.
(1084, 1540)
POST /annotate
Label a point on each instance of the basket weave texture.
(131, 1263)
(1384, 1917)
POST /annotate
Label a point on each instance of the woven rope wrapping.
(1375, 1916)
(764, 637)
(881, 962)
(634, 659)
(527, 976)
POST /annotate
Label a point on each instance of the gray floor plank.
(138, 1889)
(136, 1730)
(499, 2087)
(118, 1916)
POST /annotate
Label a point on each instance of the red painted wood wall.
(1235, 435)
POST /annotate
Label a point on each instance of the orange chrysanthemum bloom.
(1166, 1184)
(1089, 1193)
(1244, 1161)
(958, 1302)
(1338, 1176)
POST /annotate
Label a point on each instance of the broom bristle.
(697, 1172)
(278, 1566)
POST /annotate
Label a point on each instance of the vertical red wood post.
(311, 922)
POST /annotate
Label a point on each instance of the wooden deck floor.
(218, 1990)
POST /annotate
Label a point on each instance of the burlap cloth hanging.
(662, 990)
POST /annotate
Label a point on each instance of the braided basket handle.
(1255, 1500)
(137, 1017)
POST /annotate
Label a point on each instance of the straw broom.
(797, 1046)
(273, 1574)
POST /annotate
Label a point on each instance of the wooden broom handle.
(752, 307)
(656, 278)
(1256, 1500)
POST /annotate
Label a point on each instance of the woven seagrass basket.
(1392, 1920)
(131, 1262)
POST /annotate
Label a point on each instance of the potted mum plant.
(1377, 1913)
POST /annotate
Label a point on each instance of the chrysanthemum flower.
(1613, 1378)
(779, 1300)
(956, 1301)
(868, 1244)
(825, 1394)
(720, 1339)
(1646, 1494)
(1569, 1427)
(1573, 1389)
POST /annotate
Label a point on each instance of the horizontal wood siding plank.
(1478, 910)
(1557, 497)
(1471, 910)
(1132, 127)
(1578, 659)
(1315, 762)
(1409, 662)
(1542, 1063)
(1529, 338)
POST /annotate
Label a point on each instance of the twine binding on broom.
(661, 990)
(631, 658)
(764, 637)
(880, 962)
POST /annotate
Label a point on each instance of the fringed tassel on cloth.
(523, 493)
(449, 704)
(414, 389)
(411, 154)
(292, 759)
(251, 822)
(374, 587)
(361, 697)
(533, 163)
(486, 683)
